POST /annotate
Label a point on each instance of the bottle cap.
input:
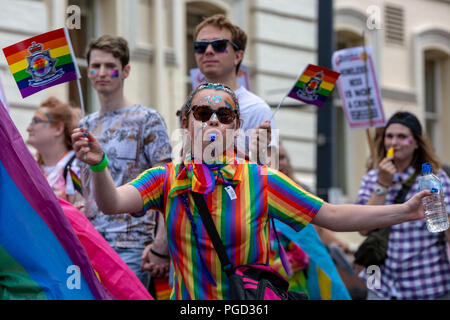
(426, 168)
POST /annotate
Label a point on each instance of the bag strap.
(205, 215)
(406, 186)
(227, 266)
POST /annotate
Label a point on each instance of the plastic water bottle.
(436, 215)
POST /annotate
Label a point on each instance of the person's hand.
(86, 146)
(158, 267)
(386, 171)
(259, 139)
(414, 207)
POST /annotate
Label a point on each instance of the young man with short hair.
(219, 47)
(134, 138)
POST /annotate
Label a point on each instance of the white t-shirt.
(254, 111)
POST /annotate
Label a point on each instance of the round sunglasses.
(219, 45)
(204, 113)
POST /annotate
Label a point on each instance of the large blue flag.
(40, 255)
(323, 281)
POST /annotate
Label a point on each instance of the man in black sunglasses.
(219, 48)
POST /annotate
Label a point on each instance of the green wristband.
(101, 165)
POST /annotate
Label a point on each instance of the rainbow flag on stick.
(314, 85)
(42, 61)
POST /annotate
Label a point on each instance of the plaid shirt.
(417, 266)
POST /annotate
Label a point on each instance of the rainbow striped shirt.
(243, 223)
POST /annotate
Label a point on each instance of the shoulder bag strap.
(406, 186)
(205, 215)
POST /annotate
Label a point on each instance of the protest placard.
(360, 95)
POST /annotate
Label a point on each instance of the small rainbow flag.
(76, 181)
(314, 85)
(42, 61)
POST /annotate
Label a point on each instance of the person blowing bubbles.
(259, 193)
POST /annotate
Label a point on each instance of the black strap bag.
(251, 281)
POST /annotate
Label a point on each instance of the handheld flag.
(42, 61)
(314, 85)
(324, 281)
(76, 181)
(40, 255)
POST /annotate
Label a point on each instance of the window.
(80, 39)
(433, 87)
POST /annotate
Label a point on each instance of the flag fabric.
(42, 61)
(314, 85)
(40, 255)
(162, 288)
(3, 96)
(323, 281)
(113, 272)
(76, 181)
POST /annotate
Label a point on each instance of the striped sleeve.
(150, 185)
(289, 202)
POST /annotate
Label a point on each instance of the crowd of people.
(125, 179)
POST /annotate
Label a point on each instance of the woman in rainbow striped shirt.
(240, 195)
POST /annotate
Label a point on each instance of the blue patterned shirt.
(135, 139)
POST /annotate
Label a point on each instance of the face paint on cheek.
(93, 72)
(114, 73)
(229, 103)
(408, 141)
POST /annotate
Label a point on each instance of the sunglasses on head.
(204, 113)
(219, 45)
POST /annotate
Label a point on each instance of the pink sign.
(360, 95)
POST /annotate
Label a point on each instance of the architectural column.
(160, 79)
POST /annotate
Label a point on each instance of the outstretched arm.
(110, 200)
(350, 217)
